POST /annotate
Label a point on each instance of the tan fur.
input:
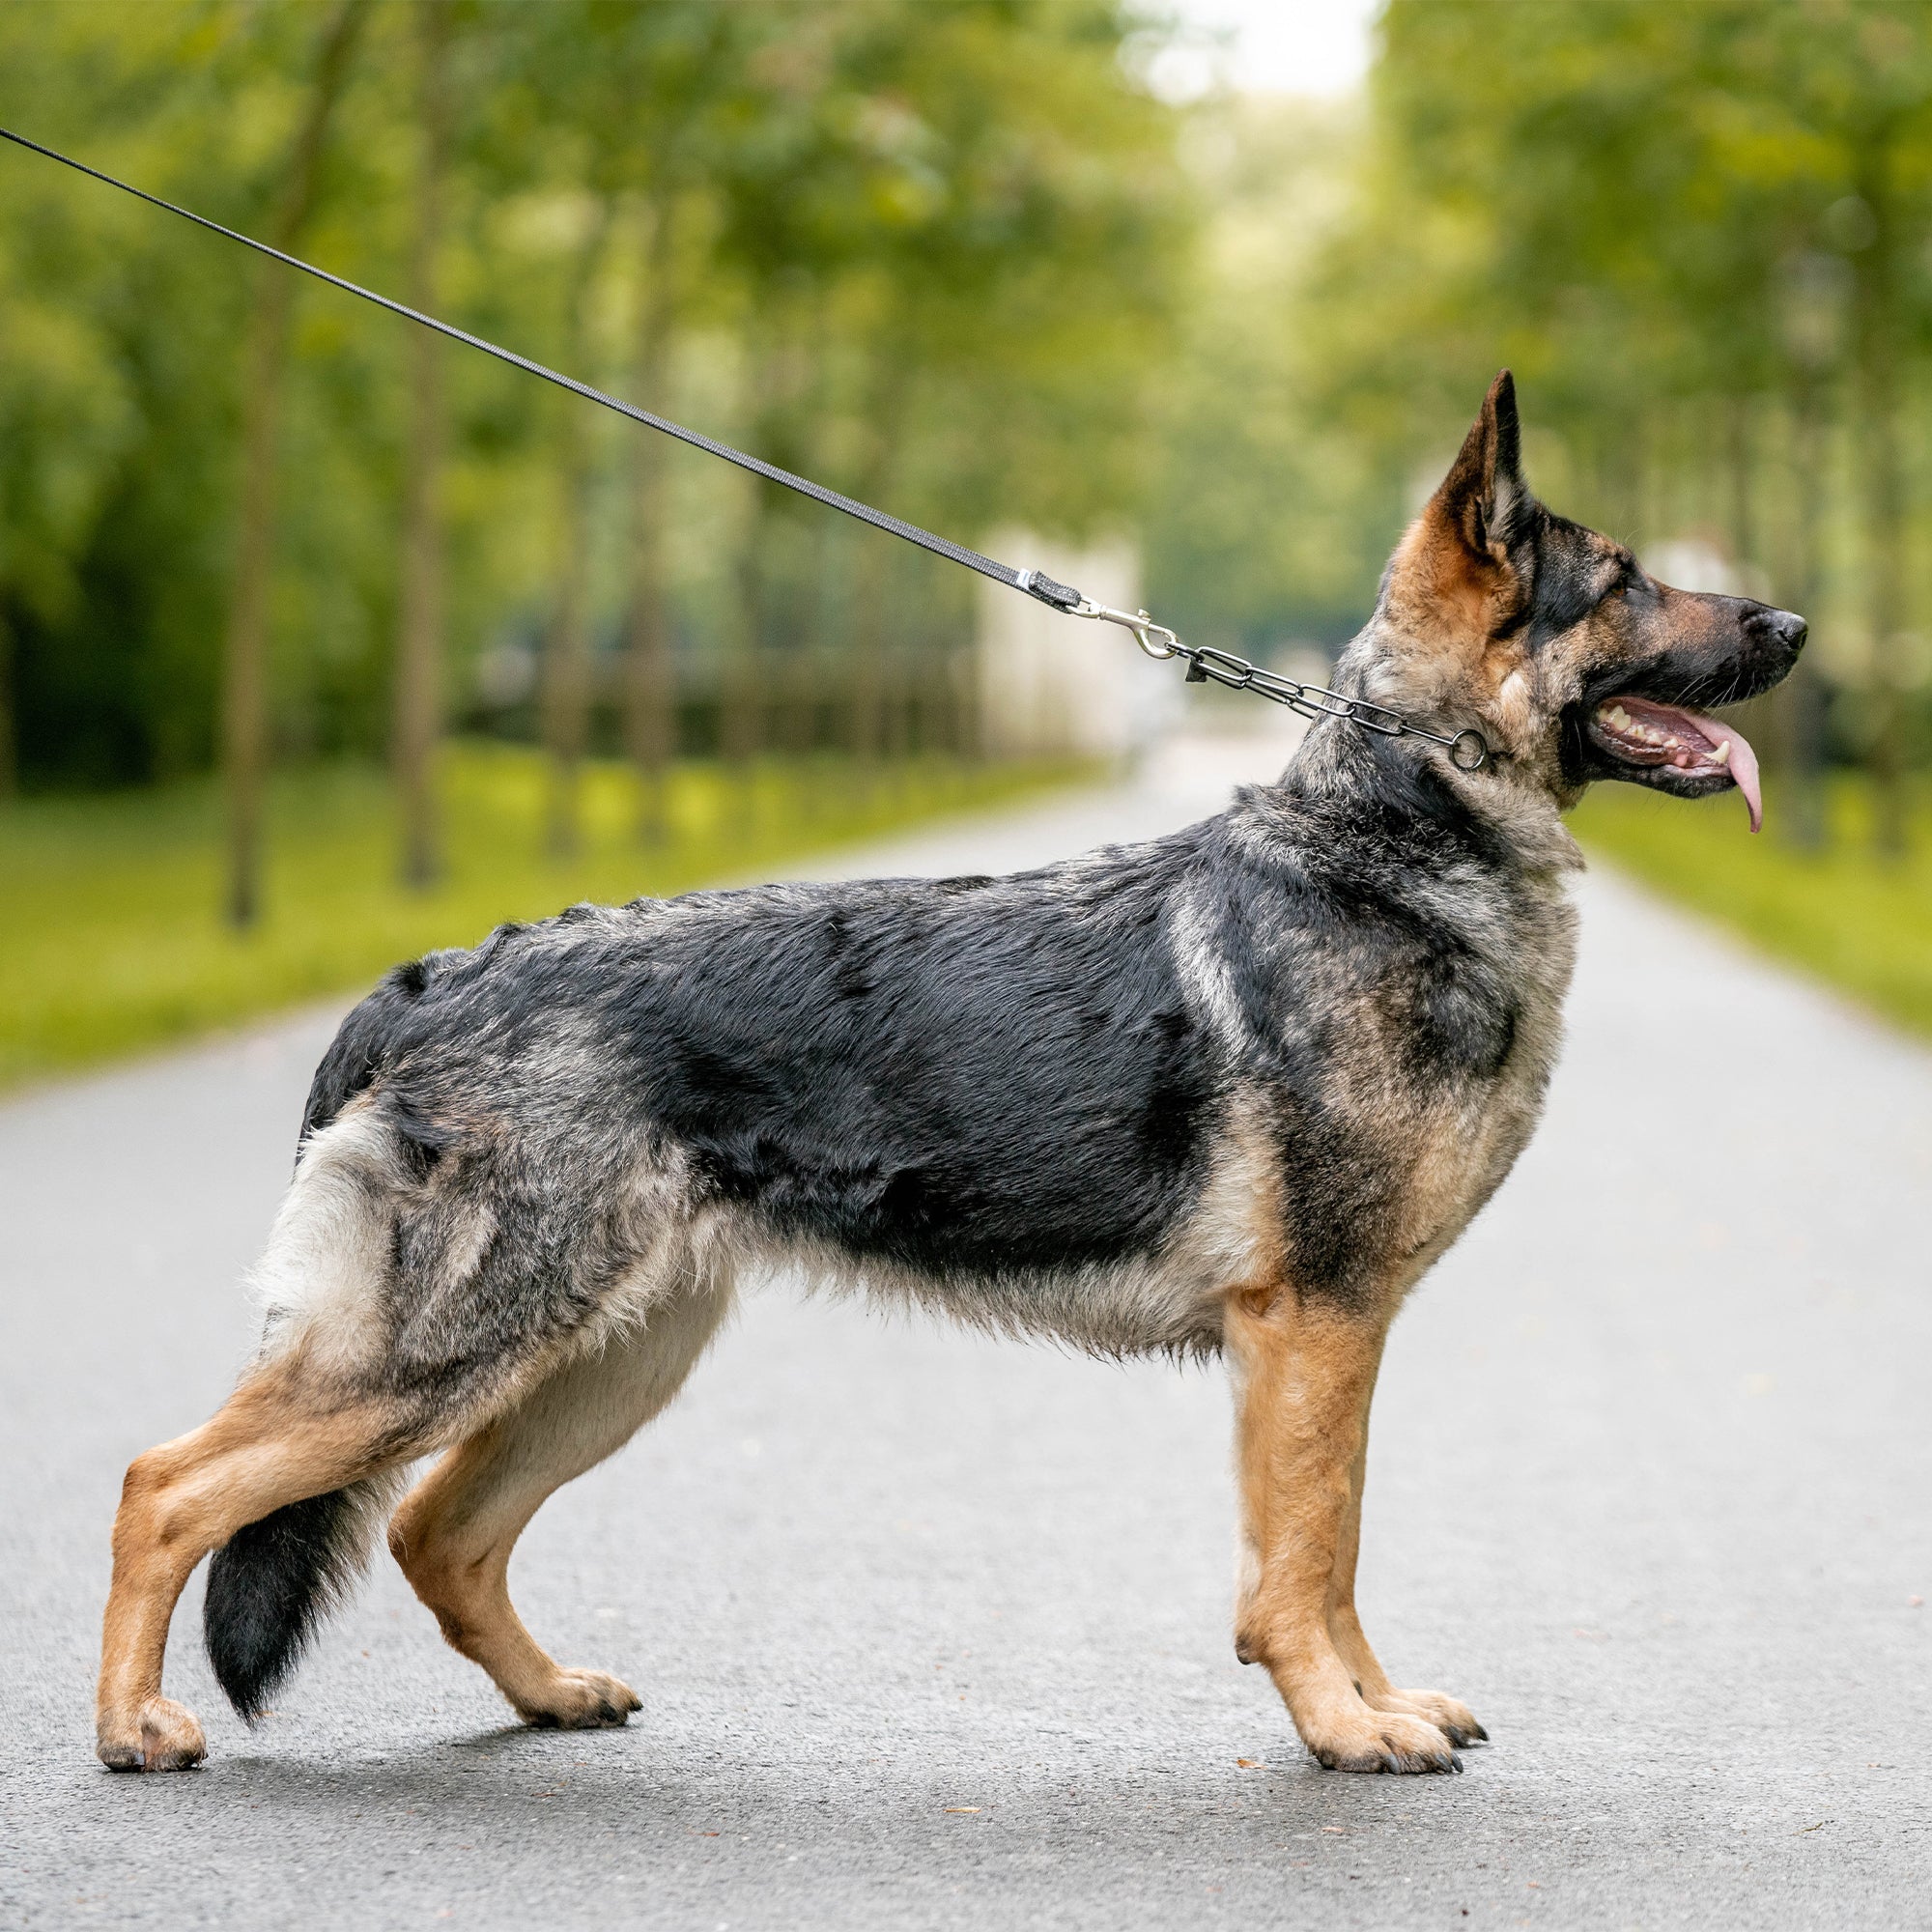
(275, 1442)
(1305, 1374)
(1450, 646)
(1449, 1715)
(1436, 582)
(455, 1531)
(1238, 1219)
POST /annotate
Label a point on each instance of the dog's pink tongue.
(1743, 761)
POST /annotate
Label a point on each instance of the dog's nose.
(1786, 626)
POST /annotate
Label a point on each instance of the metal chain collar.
(1468, 751)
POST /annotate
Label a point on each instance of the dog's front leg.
(1306, 1370)
(1449, 1715)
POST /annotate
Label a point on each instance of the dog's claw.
(583, 1700)
(162, 1736)
(1396, 1743)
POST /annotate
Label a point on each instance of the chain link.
(1468, 751)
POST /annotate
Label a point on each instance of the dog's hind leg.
(1449, 1715)
(284, 1437)
(454, 1533)
(1306, 1370)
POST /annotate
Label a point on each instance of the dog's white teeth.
(1722, 755)
(1618, 717)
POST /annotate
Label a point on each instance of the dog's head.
(1569, 658)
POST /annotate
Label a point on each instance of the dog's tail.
(330, 1269)
(273, 1584)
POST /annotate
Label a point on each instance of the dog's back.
(1235, 1088)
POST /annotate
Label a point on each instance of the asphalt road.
(933, 1632)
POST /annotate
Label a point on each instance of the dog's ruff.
(1232, 1089)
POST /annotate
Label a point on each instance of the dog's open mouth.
(1636, 731)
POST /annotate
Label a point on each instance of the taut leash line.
(1467, 750)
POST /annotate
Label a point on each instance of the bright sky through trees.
(1311, 47)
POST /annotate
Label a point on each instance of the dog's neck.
(1502, 813)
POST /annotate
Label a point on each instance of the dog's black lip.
(1586, 758)
(1658, 770)
(1658, 681)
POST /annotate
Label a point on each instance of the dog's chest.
(1469, 1130)
(1415, 1076)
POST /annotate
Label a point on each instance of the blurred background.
(322, 642)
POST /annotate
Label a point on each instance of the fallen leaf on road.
(964, 1807)
(1249, 1763)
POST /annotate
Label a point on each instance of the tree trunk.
(865, 735)
(740, 713)
(650, 692)
(566, 666)
(740, 719)
(870, 722)
(566, 684)
(1802, 698)
(10, 747)
(1876, 334)
(419, 642)
(745, 717)
(1741, 507)
(244, 724)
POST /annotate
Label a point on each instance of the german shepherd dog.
(1234, 1089)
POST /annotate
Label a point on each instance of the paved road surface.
(933, 1632)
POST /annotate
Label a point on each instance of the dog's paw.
(161, 1736)
(1366, 1740)
(582, 1700)
(1449, 1715)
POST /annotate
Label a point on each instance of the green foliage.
(110, 947)
(931, 249)
(1700, 235)
(1273, 513)
(1840, 914)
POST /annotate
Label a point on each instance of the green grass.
(110, 939)
(1849, 917)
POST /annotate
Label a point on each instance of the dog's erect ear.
(1483, 489)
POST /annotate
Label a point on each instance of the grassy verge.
(1851, 919)
(110, 941)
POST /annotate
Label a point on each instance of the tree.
(930, 252)
(244, 690)
(419, 640)
(1629, 202)
(566, 668)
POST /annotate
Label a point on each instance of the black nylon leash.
(1468, 751)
